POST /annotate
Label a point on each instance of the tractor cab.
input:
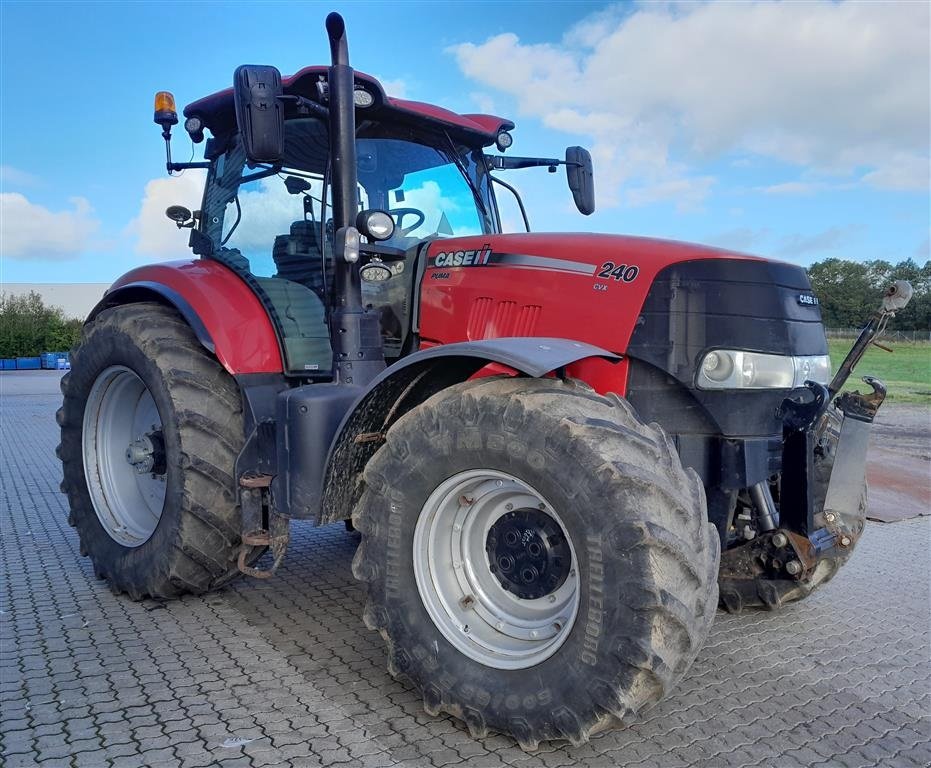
(421, 174)
(271, 224)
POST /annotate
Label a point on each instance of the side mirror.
(180, 216)
(259, 112)
(581, 179)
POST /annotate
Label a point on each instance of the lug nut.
(794, 567)
(845, 541)
(780, 540)
(830, 517)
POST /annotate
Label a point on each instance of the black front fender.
(324, 455)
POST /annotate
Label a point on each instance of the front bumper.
(821, 500)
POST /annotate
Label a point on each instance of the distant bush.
(28, 327)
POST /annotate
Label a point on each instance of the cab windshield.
(432, 189)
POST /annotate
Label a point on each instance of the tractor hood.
(589, 287)
(660, 304)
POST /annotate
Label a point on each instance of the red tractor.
(560, 450)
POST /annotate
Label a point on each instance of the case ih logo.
(806, 299)
(485, 257)
(462, 258)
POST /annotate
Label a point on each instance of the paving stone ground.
(284, 672)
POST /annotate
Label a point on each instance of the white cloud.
(268, 210)
(904, 172)
(30, 231)
(14, 177)
(838, 88)
(739, 239)
(396, 87)
(686, 193)
(793, 188)
(797, 245)
(483, 102)
(157, 236)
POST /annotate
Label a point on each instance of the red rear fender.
(222, 310)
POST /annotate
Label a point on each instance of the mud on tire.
(647, 555)
(196, 541)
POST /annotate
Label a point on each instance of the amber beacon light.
(165, 112)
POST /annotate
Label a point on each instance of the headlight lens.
(736, 369)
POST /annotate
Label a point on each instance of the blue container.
(50, 359)
(28, 363)
(7, 364)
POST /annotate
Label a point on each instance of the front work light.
(375, 224)
(165, 112)
(737, 369)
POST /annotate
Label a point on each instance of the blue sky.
(797, 131)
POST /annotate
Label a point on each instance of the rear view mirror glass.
(581, 178)
(259, 112)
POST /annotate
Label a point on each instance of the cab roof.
(218, 113)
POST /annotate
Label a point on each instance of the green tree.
(28, 327)
(850, 291)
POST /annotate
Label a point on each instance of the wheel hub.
(508, 618)
(528, 553)
(147, 454)
(123, 448)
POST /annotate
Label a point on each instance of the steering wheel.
(400, 213)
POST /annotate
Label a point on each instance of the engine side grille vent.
(489, 319)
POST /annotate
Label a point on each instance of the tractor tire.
(773, 596)
(143, 389)
(506, 509)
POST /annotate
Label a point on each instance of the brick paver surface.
(284, 672)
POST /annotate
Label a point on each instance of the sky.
(797, 130)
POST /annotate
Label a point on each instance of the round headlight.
(717, 366)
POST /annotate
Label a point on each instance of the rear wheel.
(537, 558)
(151, 426)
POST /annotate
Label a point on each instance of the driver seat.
(298, 257)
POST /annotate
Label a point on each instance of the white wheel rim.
(464, 598)
(120, 448)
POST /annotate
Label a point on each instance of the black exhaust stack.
(355, 334)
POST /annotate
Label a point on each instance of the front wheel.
(537, 558)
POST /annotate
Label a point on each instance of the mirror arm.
(306, 105)
(184, 166)
(520, 203)
(501, 163)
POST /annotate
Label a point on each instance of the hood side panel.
(584, 287)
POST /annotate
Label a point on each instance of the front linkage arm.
(823, 477)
